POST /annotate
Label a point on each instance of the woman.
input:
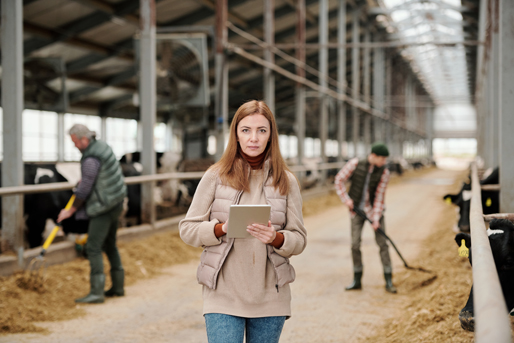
(246, 281)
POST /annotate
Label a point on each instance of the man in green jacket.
(99, 198)
(369, 178)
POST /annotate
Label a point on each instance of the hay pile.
(23, 303)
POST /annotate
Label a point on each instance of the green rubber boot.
(356, 284)
(118, 280)
(96, 295)
(389, 283)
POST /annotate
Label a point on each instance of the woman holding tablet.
(246, 280)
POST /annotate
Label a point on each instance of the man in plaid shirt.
(369, 178)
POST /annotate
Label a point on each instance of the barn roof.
(89, 49)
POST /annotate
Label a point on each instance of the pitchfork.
(37, 266)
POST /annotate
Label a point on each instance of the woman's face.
(253, 134)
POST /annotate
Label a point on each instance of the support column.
(269, 38)
(378, 78)
(408, 101)
(103, 128)
(367, 68)
(429, 131)
(139, 136)
(323, 63)
(221, 100)
(506, 138)
(388, 134)
(490, 112)
(341, 78)
(388, 67)
(479, 94)
(495, 89)
(367, 92)
(367, 133)
(355, 80)
(61, 133)
(300, 89)
(168, 145)
(147, 114)
(378, 129)
(379, 89)
(12, 104)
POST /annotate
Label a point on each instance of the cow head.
(462, 200)
(501, 239)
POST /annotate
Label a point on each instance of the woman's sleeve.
(295, 234)
(196, 228)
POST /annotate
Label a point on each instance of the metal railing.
(492, 323)
(63, 186)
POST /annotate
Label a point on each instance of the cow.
(395, 167)
(501, 239)
(168, 193)
(38, 207)
(490, 199)
(417, 165)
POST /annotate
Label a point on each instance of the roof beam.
(115, 80)
(308, 14)
(120, 11)
(48, 36)
(67, 31)
(231, 15)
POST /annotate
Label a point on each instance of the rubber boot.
(96, 295)
(118, 280)
(389, 283)
(356, 284)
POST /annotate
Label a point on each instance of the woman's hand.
(224, 227)
(265, 234)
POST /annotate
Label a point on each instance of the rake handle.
(363, 215)
(51, 237)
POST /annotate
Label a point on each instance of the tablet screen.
(240, 216)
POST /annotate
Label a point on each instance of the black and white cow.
(501, 238)
(490, 199)
(395, 167)
(170, 192)
(38, 207)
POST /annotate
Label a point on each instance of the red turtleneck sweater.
(256, 162)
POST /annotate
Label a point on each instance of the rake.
(363, 215)
(37, 266)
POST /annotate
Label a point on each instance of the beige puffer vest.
(212, 257)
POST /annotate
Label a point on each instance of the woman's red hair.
(233, 168)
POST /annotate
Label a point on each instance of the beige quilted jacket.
(215, 252)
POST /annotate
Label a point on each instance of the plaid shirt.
(375, 212)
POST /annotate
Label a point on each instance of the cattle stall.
(491, 315)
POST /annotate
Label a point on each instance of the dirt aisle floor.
(167, 308)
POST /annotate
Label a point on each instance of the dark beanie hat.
(379, 149)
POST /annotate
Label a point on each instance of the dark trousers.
(102, 237)
(357, 224)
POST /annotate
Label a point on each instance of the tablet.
(240, 216)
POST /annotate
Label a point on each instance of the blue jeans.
(223, 328)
